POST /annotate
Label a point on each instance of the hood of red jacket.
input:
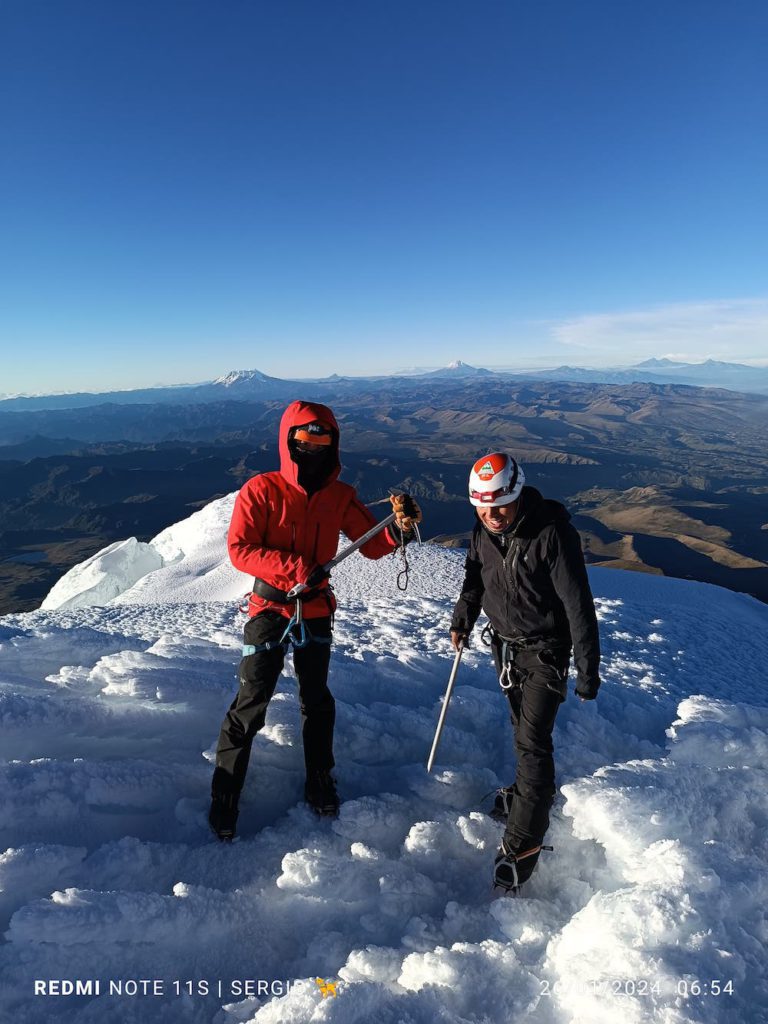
(296, 415)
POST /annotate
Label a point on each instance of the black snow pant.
(539, 677)
(259, 674)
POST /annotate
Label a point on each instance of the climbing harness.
(512, 674)
(296, 622)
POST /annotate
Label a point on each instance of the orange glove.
(406, 510)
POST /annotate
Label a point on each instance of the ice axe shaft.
(301, 587)
(443, 712)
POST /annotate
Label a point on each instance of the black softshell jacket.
(532, 583)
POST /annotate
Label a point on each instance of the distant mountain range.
(253, 385)
(709, 374)
(659, 477)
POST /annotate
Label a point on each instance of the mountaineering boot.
(320, 792)
(502, 804)
(511, 869)
(222, 816)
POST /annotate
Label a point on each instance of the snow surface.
(111, 704)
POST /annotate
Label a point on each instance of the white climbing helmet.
(495, 479)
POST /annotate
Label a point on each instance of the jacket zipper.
(515, 556)
(508, 574)
(514, 549)
(513, 545)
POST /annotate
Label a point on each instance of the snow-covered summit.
(243, 377)
(188, 562)
(459, 369)
(650, 909)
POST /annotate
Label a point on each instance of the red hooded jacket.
(279, 534)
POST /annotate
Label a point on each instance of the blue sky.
(307, 187)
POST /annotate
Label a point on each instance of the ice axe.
(446, 701)
(301, 587)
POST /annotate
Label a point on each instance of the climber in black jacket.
(525, 570)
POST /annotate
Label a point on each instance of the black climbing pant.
(539, 685)
(258, 675)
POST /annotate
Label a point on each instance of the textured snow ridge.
(104, 575)
(188, 562)
(193, 550)
(656, 887)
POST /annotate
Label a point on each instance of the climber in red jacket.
(285, 527)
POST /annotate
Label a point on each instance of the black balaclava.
(314, 468)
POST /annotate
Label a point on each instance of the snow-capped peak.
(458, 368)
(239, 376)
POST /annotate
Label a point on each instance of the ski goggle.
(312, 434)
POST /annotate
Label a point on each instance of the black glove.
(459, 638)
(316, 577)
(587, 689)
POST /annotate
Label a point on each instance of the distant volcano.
(459, 369)
(243, 377)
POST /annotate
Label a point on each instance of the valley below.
(658, 478)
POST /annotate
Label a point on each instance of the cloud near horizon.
(735, 329)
